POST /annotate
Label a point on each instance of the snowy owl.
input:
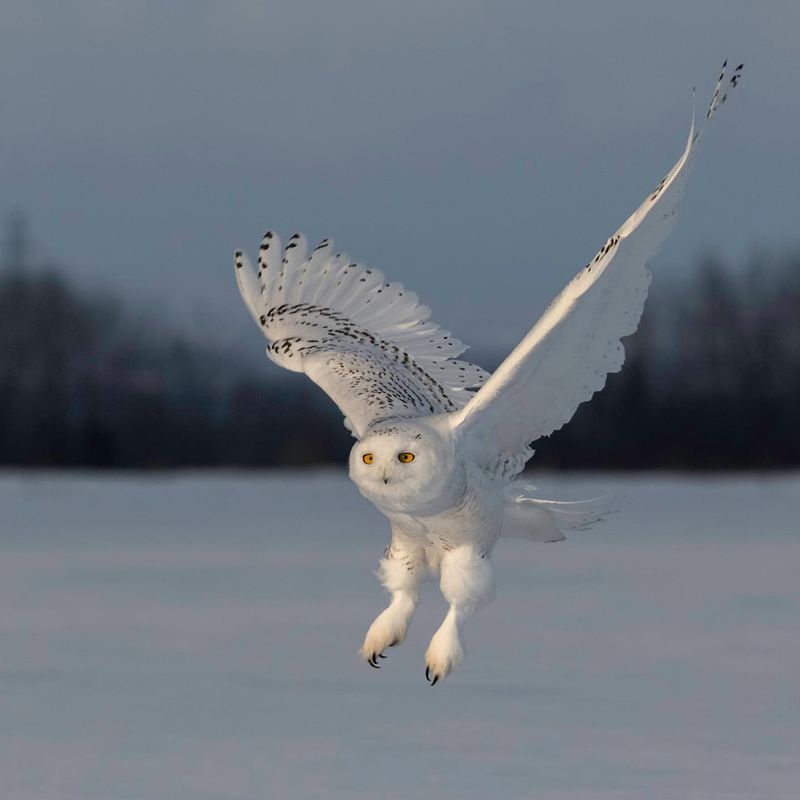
(439, 442)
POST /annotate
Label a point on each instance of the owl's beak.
(385, 478)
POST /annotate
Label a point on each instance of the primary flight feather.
(439, 441)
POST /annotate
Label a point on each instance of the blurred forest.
(711, 381)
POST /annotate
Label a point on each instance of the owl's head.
(405, 467)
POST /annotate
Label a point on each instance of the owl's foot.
(466, 583)
(444, 652)
(373, 660)
(388, 630)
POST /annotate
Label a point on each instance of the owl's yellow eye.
(406, 458)
(368, 458)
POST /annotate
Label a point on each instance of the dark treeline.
(84, 384)
(712, 381)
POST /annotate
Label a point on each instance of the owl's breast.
(477, 520)
(473, 515)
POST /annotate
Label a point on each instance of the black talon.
(435, 678)
(428, 674)
(372, 663)
(381, 655)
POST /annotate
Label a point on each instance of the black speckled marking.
(380, 374)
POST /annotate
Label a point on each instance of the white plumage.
(440, 442)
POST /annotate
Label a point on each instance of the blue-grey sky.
(479, 152)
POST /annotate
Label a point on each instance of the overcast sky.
(479, 152)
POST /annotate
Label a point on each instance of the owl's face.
(405, 467)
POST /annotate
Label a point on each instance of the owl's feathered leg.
(467, 584)
(401, 573)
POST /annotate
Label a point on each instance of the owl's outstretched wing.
(367, 342)
(566, 356)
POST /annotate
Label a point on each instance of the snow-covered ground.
(195, 637)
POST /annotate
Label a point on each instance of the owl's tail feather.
(539, 520)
